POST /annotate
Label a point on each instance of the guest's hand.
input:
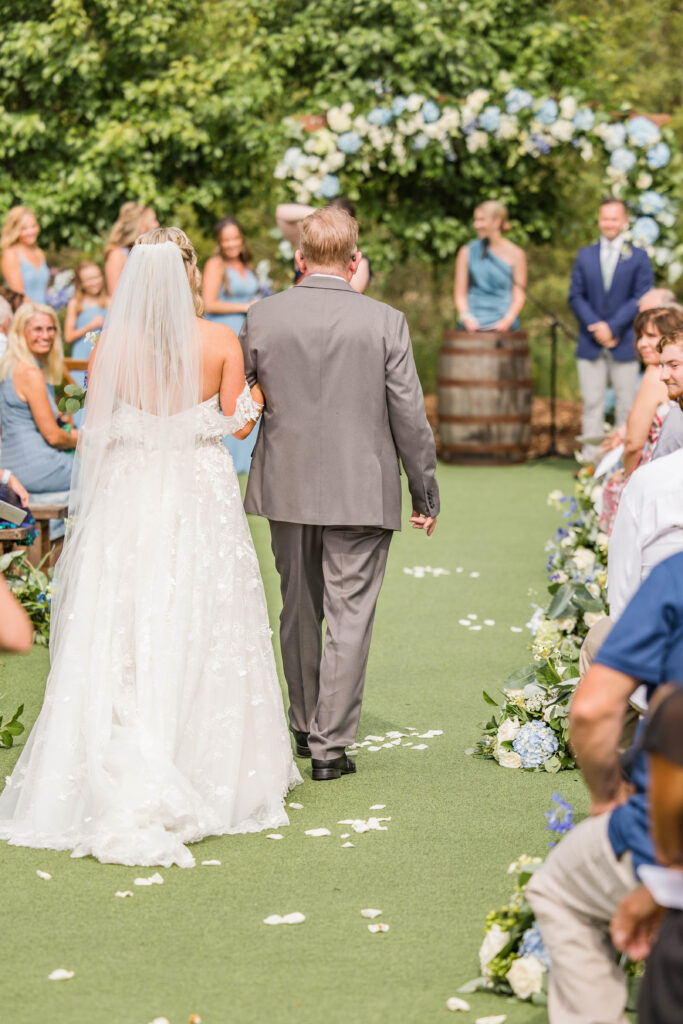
(602, 333)
(420, 522)
(613, 441)
(635, 923)
(20, 491)
(504, 324)
(470, 323)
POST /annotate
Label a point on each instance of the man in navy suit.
(608, 279)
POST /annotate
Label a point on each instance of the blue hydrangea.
(489, 119)
(329, 186)
(584, 119)
(518, 99)
(420, 141)
(532, 945)
(470, 127)
(349, 142)
(430, 111)
(541, 144)
(379, 116)
(651, 203)
(399, 105)
(641, 131)
(535, 743)
(658, 156)
(547, 112)
(645, 231)
(622, 159)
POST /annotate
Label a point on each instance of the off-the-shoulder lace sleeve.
(245, 409)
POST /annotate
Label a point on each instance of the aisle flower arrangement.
(32, 588)
(529, 729)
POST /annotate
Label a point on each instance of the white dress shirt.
(610, 251)
(648, 527)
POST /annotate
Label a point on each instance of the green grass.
(197, 944)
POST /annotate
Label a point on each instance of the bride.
(163, 719)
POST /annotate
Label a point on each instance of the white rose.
(494, 940)
(508, 758)
(554, 498)
(562, 130)
(566, 625)
(602, 540)
(591, 618)
(338, 120)
(593, 589)
(526, 976)
(584, 559)
(507, 730)
(568, 107)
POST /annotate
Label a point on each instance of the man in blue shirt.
(575, 893)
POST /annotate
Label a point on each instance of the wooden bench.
(42, 544)
(14, 537)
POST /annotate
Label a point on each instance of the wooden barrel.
(485, 393)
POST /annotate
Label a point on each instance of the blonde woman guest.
(133, 220)
(490, 274)
(289, 218)
(87, 309)
(229, 288)
(23, 262)
(34, 445)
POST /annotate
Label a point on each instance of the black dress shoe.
(301, 743)
(333, 769)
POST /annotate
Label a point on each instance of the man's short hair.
(329, 237)
(664, 319)
(656, 298)
(674, 338)
(614, 199)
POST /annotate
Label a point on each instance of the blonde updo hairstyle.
(127, 227)
(157, 236)
(11, 229)
(496, 209)
(17, 347)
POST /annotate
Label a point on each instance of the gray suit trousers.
(332, 573)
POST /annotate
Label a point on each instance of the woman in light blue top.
(229, 287)
(35, 448)
(490, 274)
(23, 262)
(85, 315)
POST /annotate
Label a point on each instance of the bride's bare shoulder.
(217, 338)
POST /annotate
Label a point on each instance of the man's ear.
(300, 261)
(354, 263)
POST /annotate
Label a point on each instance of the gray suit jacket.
(671, 435)
(343, 402)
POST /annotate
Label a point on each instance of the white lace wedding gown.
(163, 719)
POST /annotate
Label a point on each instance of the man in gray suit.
(343, 403)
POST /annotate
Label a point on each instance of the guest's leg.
(354, 560)
(625, 381)
(593, 384)
(574, 895)
(298, 558)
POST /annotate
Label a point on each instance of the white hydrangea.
(312, 183)
(592, 618)
(584, 559)
(335, 161)
(566, 625)
(562, 130)
(526, 976)
(476, 141)
(338, 119)
(644, 180)
(568, 107)
(508, 127)
(586, 151)
(477, 99)
(415, 101)
(450, 119)
(601, 541)
(361, 125)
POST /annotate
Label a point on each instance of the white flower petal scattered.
(347, 844)
(516, 629)
(316, 832)
(345, 835)
(122, 894)
(460, 569)
(44, 874)
(420, 746)
(60, 975)
(472, 616)
(474, 629)
(378, 807)
(295, 918)
(378, 927)
(474, 575)
(297, 807)
(457, 1004)
(489, 622)
(154, 879)
(274, 835)
(373, 749)
(394, 734)
(500, 1019)
(430, 734)
(210, 863)
(375, 739)
(160, 1020)
(370, 913)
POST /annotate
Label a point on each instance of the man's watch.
(4, 479)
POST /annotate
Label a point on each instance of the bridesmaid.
(133, 220)
(23, 262)
(229, 288)
(85, 313)
(490, 274)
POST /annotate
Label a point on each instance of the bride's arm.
(259, 399)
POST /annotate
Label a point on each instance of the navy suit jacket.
(618, 307)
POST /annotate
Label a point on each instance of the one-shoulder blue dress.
(489, 292)
(36, 280)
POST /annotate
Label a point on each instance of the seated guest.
(490, 274)
(5, 321)
(671, 435)
(16, 631)
(133, 220)
(34, 444)
(657, 298)
(8, 480)
(575, 893)
(290, 217)
(23, 262)
(640, 920)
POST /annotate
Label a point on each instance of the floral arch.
(419, 143)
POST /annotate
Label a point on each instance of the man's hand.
(420, 522)
(635, 923)
(602, 334)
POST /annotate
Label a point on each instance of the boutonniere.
(626, 252)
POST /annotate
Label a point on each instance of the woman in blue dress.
(85, 315)
(229, 288)
(490, 274)
(23, 262)
(133, 220)
(35, 448)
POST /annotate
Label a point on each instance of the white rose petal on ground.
(457, 1004)
(210, 863)
(378, 807)
(500, 1019)
(370, 913)
(474, 629)
(60, 975)
(295, 918)
(373, 749)
(430, 734)
(463, 622)
(516, 629)
(274, 835)
(387, 746)
(154, 879)
(160, 1020)
(122, 894)
(347, 844)
(459, 569)
(345, 835)
(44, 874)
(394, 733)
(296, 807)
(472, 616)
(474, 575)
(419, 746)
(273, 919)
(489, 622)
(375, 739)
(378, 927)
(317, 832)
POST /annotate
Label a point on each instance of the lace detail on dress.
(245, 409)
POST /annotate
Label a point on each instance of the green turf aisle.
(197, 943)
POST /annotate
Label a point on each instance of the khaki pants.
(590, 647)
(593, 377)
(574, 895)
